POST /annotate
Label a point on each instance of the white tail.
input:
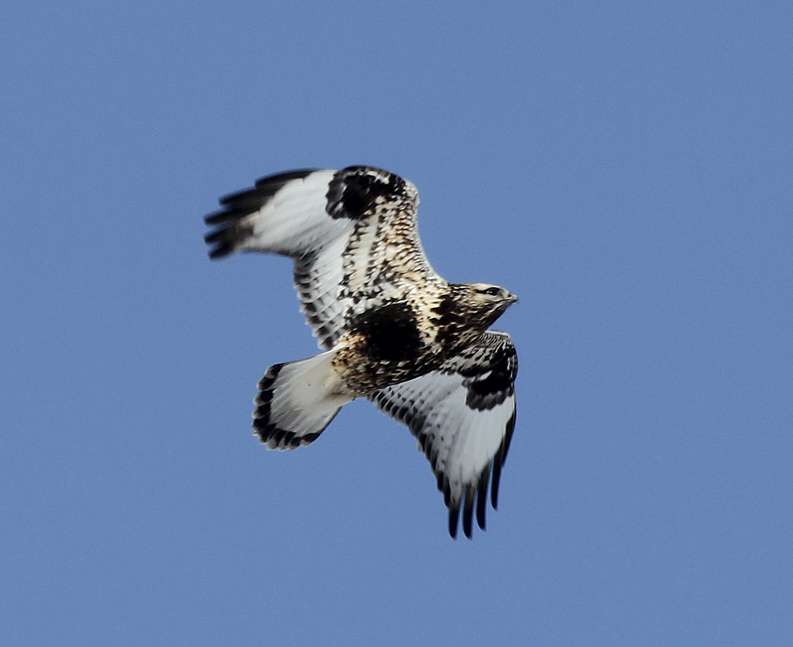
(297, 401)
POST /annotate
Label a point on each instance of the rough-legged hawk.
(393, 330)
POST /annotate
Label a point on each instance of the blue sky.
(625, 168)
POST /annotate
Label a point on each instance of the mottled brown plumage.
(401, 340)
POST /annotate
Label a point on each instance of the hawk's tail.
(297, 401)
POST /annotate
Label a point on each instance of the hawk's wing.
(352, 235)
(462, 415)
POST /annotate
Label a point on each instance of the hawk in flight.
(393, 331)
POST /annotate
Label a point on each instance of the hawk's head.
(485, 303)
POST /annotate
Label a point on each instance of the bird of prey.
(393, 331)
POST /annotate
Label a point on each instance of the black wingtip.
(468, 510)
(236, 206)
(220, 246)
(454, 515)
(481, 497)
(283, 178)
(219, 252)
(219, 217)
(224, 239)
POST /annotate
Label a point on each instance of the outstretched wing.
(352, 235)
(462, 415)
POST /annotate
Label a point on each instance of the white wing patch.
(463, 416)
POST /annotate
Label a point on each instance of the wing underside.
(352, 235)
(463, 416)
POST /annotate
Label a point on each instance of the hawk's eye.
(492, 291)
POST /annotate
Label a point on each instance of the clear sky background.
(625, 168)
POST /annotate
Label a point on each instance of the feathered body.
(393, 330)
(402, 339)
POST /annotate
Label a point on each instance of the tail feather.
(296, 401)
